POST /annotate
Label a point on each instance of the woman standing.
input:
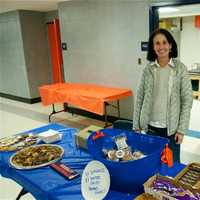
(164, 97)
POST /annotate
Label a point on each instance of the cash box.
(82, 136)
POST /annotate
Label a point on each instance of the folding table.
(89, 97)
(46, 184)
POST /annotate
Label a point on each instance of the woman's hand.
(178, 137)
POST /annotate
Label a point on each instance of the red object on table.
(167, 156)
(64, 170)
(98, 135)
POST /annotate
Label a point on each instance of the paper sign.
(95, 181)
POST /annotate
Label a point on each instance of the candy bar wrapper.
(168, 188)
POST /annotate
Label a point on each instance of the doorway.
(154, 14)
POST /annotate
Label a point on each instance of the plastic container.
(128, 176)
(50, 136)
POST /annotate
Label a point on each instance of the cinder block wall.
(13, 73)
(34, 35)
(104, 43)
(24, 62)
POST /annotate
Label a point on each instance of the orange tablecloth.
(86, 96)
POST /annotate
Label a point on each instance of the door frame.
(154, 15)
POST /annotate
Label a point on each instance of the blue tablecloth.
(46, 184)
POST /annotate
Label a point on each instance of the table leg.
(118, 109)
(65, 107)
(105, 116)
(21, 193)
(54, 111)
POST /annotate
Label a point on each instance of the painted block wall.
(104, 43)
(34, 36)
(24, 62)
(13, 74)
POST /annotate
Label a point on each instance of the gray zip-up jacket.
(179, 98)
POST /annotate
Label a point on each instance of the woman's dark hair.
(151, 55)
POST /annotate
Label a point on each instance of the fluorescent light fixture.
(167, 9)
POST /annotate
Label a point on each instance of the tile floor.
(16, 117)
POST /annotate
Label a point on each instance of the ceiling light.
(167, 9)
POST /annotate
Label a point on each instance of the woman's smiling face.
(161, 46)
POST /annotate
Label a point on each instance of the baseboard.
(110, 118)
(21, 99)
(69, 109)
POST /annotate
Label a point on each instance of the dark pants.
(162, 132)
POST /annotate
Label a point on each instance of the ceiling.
(189, 10)
(37, 5)
(48, 5)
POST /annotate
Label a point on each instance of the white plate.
(39, 165)
(16, 142)
(95, 181)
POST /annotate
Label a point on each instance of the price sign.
(95, 181)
